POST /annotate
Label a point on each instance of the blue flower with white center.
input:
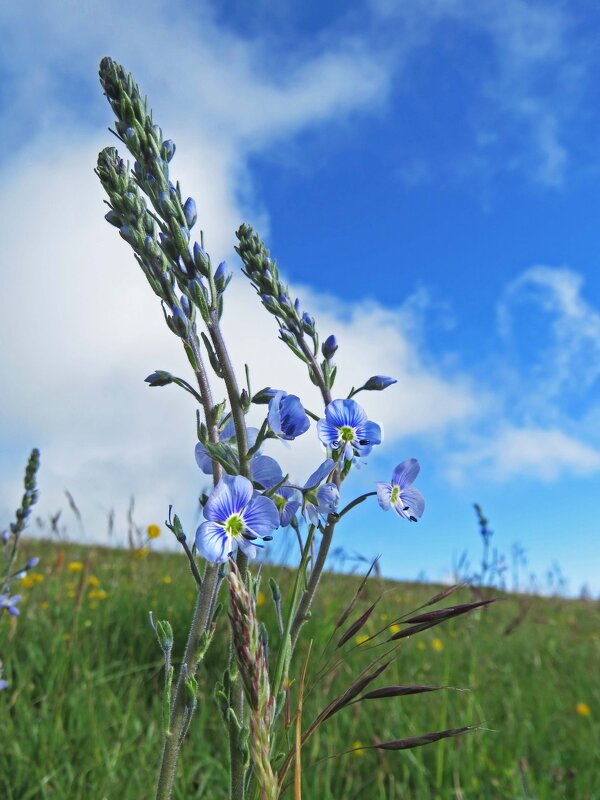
(234, 514)
(287, 418)
(10, 604)
(320, 501)
(226, 436)
(407, 502)
(347, 430)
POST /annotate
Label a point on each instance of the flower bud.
(113, 218)
(329, 347)
(222, 276)
(5, 536)
(378, 383)
(168, 149)
(308, 323)
(264, 396)
(159, 378)
(190, 211)
(33, 562)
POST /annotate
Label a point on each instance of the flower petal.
(265, 471)
(406, 473)
(213, 543)
(247, 547)
(384, 495)
(410, 505)
(321, 472)
(203, 459)
(261, 517)
(345, 412)
(368, 432)
(328, 433)
(230, 496)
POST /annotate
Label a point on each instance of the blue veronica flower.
(320, 501)
(287, 503)
(287, 418)
(3, 685)
(10, 604)
(407, 502)
(346, 429)
(234, 514)
(227, 436)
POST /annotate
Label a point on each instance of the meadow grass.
(82, 716)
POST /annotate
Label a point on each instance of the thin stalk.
(313, 582)
(236, 697)
(202, 611)
(172, 743)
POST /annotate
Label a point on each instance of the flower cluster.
(240, 512)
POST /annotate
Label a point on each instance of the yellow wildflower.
(142, 552)
(167, 579)
(260, 599)
(44, 605)
(97, 594)
(355, 751)
(27, 581)
(394, 628)
(71, 593)
(66, 637)
(583, 709)
(93, 581)
(153, 531)
(74, 566)
(438, 645)
(37, 577)
(361, 638)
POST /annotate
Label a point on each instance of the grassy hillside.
(81, 718)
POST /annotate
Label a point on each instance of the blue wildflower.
(234, 513)
(3, 685)
(287, 418)
(407, 502)
(346, 429)
(10, 604)
(320, 501)
(287, 503)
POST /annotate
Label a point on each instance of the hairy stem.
(236, 699)
(202, 612)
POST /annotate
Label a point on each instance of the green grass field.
(81, 718)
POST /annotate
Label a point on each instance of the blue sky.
(426, 175)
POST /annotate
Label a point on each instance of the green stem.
(172, 743)
(236, 696)
(202, 612)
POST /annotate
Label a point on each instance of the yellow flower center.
(234, 525)
(395, 495)
(346, 434)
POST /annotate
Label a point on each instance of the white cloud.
(537, 453)
(568, 358)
